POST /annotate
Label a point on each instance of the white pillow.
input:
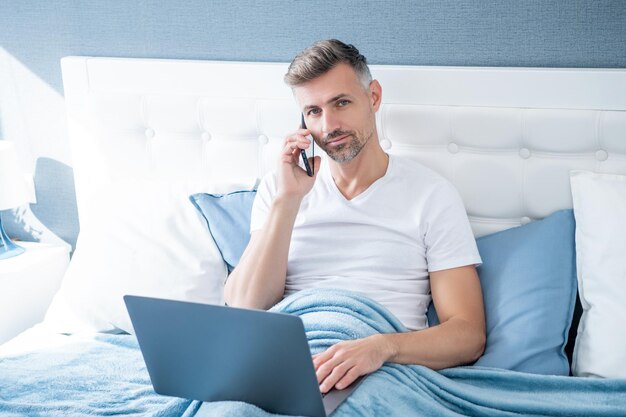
(600, 212)
(142, 238)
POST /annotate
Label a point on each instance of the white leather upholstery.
(507, 138)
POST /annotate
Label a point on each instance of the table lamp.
(13, 193)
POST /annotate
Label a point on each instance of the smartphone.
(309, 167)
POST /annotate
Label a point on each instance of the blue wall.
(535, 33)
(574, 33)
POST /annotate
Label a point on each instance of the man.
(365, 221)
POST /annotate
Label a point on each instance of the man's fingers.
(326, 363)
(293, 144)
(301, 136)
(348, 378)
(289, 155)
(292, 151)
(297, 138)
(302, 132)
(322, 357)
(335, 376)
(316, 361)
(323, 369)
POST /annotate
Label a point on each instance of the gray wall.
(34, 35)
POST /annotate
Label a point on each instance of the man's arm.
(459, 339)
(258, 281)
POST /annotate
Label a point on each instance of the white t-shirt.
(383, 243)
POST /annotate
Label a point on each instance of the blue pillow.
(528, 279)
(228, 218)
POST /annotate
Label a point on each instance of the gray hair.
(322, 56)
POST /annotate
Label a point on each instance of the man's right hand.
(293, 181)
(258, 281)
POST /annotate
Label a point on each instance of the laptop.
(217, 353)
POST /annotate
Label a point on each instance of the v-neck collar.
(369, 190)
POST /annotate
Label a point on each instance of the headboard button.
(149, 133)
(206, 136)
(524, 153)
(263, 140)
(453, 148)
(602, 155)
(385, 144)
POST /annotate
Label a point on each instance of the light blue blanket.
(405, 390)
(106, 376)
(100, 377)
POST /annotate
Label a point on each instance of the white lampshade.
(13, 187)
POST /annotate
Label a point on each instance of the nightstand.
(27, 284)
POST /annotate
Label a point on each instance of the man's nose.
(330, 123)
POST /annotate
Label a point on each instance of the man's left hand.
(341, 364)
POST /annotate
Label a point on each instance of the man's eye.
(313, 111)
(342, 103)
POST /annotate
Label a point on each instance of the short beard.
(348, 151)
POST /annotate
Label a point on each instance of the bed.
(518, 143)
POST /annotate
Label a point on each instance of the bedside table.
(27, 284)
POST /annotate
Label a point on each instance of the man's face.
(339, 111)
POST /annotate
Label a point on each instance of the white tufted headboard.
(506, 137)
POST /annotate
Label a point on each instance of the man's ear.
(376, 94)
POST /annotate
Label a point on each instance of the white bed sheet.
(39, 337)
